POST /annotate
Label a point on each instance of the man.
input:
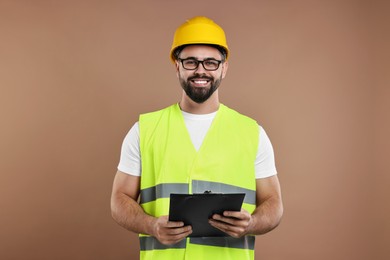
(196, 145)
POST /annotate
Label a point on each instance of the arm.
(126, 211)
(266, 216)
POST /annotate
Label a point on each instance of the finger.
(186, 231)
(243, 214)
(175, 238)
(226, 228)
(174, 224)
(179, 231)
(169, 240)
(221, 225)
(228, 220)
(229, 224)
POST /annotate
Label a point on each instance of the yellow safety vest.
(170, 164)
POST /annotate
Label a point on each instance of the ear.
(177, 68)
(225, 67)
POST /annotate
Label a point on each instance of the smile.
(200, 82)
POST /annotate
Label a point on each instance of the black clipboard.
(197, 209)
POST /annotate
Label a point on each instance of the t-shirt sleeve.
(265, 160)
(130, 158)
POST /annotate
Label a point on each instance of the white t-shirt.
(197, 126)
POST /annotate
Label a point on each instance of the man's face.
(199, 84)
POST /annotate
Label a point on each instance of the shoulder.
(153, 116)
(238, 118)
(153, 113)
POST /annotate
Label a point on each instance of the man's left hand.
(233, 223)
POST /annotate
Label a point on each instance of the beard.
(199, 94)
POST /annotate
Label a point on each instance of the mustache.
(200, 77)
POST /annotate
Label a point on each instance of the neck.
(209, 106)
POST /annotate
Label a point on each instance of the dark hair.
(178, 50)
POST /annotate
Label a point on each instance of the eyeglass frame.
(200, 61)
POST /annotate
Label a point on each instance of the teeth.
(200, 81)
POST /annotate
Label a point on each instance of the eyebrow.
(195, 58)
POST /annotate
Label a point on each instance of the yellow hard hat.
(199, 30)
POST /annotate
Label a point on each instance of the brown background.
(74, 75)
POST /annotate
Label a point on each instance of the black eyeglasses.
(192, 64)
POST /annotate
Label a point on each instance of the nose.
(200, 68)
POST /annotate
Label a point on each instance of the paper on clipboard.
(197, 209)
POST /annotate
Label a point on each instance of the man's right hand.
(170, 232)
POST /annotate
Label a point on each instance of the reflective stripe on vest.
(162, 191)
(165, 189)
(247, 242)
(151, 243)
